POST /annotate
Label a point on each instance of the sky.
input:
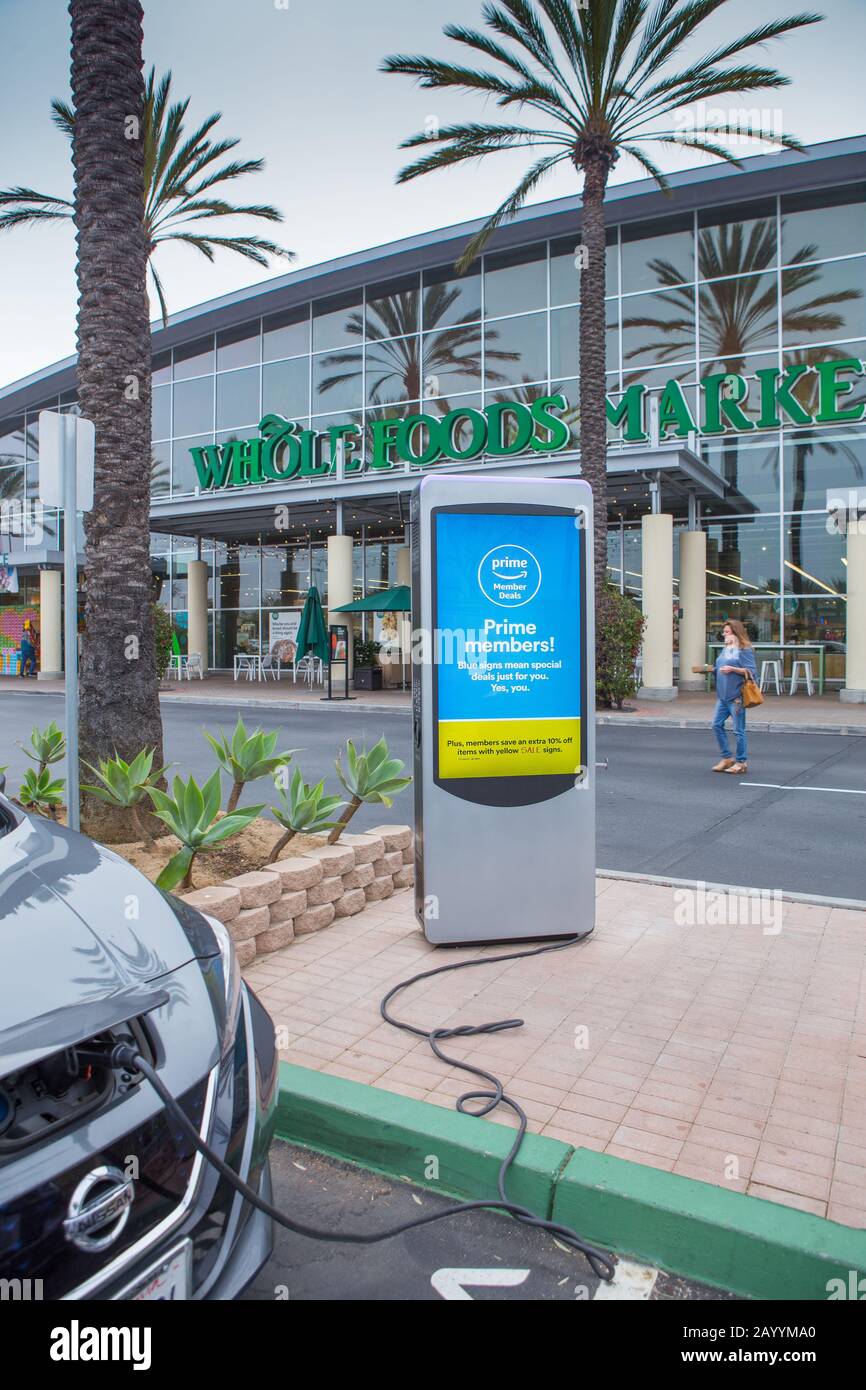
(297, 81)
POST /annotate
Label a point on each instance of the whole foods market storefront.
(290, 420)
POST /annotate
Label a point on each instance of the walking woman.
(734, 663)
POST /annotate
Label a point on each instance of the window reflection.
(822, 302)
(337, 378)
(161, 412)
(818, 226)
(820, 461)
(286, 334)
(658, 327)
(393, 370)
(393, 308)
(516, 350)
(515, 281)
(452, 360)
(750, 470)
(183, 475)
(450, 298)
(738, 238)
(194, 359)
(193, 406)
(337, 320)
(238, 347)
(661, 252)
(286, 388)
(738, 316)
(237, 399)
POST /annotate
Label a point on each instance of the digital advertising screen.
(509, 680)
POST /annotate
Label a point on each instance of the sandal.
(737, 768)
(724, 765)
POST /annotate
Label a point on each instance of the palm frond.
(510, 206)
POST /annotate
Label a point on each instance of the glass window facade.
(735, 288)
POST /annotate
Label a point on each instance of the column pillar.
(340, 589)
(693, 601)
(196, 603)
(854, 690)
(50, 626)
(404, 576)
(658, 586)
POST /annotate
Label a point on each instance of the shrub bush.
(619, 626)
(162, 640)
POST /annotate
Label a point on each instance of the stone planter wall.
(268, 908)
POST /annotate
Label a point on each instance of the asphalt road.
(478, 1255)
(660, 809)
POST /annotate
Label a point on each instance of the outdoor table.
(781, 647)
(251, 663)
(176, 664)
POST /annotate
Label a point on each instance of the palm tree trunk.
(593, 417)
(344, 819)
(119, 711)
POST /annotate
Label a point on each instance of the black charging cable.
(123, 1056)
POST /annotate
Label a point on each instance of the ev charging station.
(503, 707)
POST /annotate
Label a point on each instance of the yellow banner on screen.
(508, 747)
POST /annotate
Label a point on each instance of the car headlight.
(231, 981)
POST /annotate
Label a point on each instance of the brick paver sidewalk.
(718, 1052)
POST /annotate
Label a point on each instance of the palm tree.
(602, 78)
(182, 179)
(119, 709)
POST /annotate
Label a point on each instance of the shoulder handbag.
(751, 693)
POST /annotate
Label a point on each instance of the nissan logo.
(99, 1209)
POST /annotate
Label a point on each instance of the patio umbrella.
(397, 600)
(312, 635)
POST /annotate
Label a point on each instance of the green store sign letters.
(284, 450)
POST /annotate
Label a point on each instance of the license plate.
(167, 1280)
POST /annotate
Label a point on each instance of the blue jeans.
(735, 710)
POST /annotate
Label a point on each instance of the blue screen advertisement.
(509, 629)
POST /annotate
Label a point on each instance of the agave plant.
(191, 814)
(247, 757)
(304, 810)
(40, 793)
(368, 777)
(126, 784)
(48, 746)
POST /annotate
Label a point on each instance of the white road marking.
(781, 787)
(449, 1283)
(631, 1281)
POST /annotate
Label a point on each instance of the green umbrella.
(397, 600)
(312, 635)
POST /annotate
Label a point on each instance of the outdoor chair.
(801, 669)
(771, 671)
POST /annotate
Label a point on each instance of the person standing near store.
(28, 651)
(735, 662)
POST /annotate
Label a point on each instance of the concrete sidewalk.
(715, 1052)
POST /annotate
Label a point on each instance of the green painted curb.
(750, 1246)
(753, 1247)
(399, 1136)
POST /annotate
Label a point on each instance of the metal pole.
(70, 613)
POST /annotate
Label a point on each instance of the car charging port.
(60, 1089)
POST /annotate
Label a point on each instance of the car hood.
(78, 925)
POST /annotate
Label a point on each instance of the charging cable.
(123, 1056)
